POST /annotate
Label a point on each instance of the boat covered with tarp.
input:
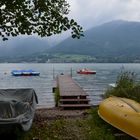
(25, 73)
(17, 108)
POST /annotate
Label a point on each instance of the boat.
(17, 108)
(112, 85)
(25, 73)
(122, 113)
(86, 71)
(16, 73)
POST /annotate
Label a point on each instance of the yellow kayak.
(121, 113)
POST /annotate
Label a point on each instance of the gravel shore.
(55, 113)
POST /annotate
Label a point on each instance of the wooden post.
(71, 72)
(53, 73)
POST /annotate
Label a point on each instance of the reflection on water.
(94, 85)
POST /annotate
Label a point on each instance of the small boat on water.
(86, 71)
(121, 113)
(25, 73)
(112, 85)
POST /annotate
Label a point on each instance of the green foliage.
(66, 58)
(59, 129)
(91, 127)
(99, 129)
(126, 80)
(42, 17)
(56, 96)
(126, 86)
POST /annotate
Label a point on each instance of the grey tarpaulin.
(17, 106)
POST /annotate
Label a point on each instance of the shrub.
(126, 86)
(57, 97)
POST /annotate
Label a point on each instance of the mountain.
(115, 41)
(22, 47)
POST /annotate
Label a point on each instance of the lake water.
(94, 85)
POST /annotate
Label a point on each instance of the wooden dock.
(71, 94)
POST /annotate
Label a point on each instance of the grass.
(91, 127)
(126, 86)
(72, 58)
(59, 129)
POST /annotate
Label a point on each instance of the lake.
(94, 85)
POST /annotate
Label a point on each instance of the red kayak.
(86, 71)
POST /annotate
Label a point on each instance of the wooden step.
(70, 100)
(75, 105)
(73, 97)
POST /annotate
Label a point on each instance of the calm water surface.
(94, 85)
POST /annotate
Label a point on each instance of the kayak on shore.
(121, 113)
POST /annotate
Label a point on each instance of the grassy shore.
(84, 125)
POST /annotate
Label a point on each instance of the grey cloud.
(93, 12)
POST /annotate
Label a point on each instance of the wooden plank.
(74, 105)
(68, 87)
(63, 100)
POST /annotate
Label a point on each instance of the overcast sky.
(89, 13)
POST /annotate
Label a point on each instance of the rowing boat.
(121, 113)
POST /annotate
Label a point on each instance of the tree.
(41, 17)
